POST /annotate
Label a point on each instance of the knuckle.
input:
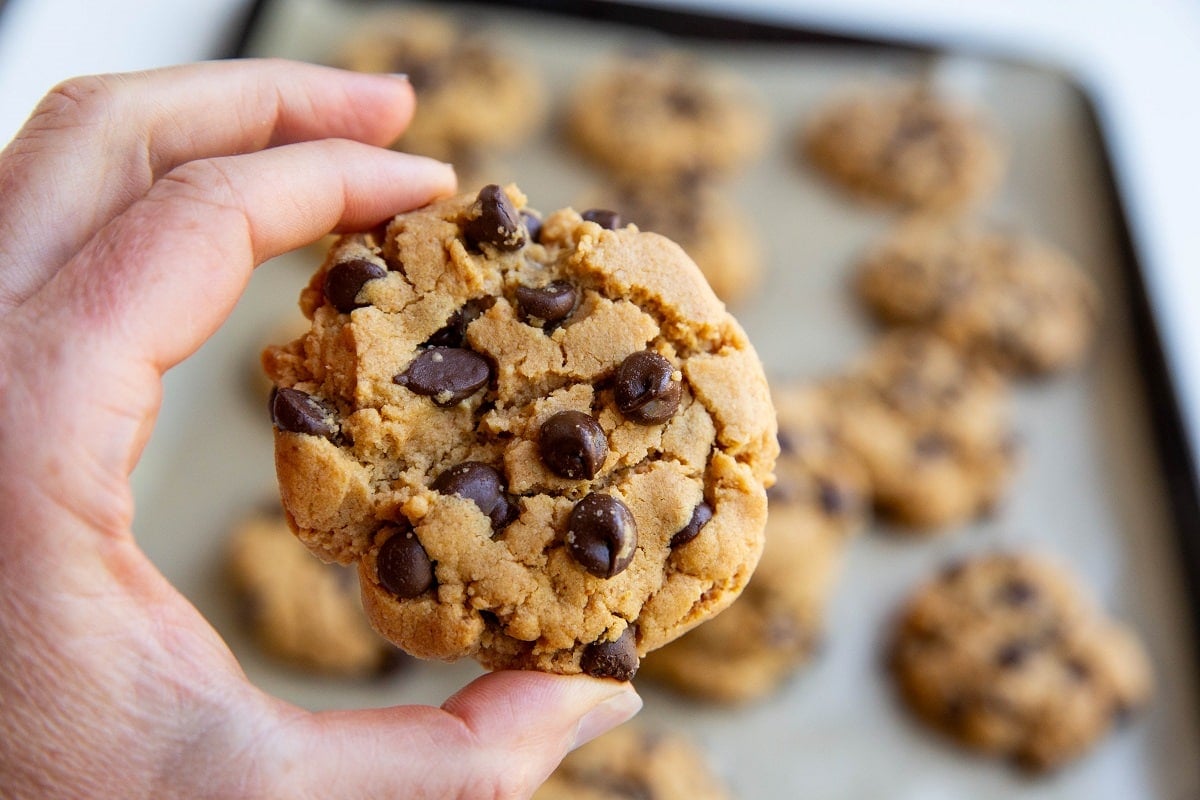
(77, 103)
(204, 180)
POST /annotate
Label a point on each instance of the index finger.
(95, 145)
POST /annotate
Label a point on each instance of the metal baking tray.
(1107, 485)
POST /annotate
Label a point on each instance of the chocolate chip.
(573, 445)
(1013, 654)
(447, 374)
(931, 445)
(295, 411)
(616, 659)
(604, 218)
(602, 535)
(551, 303)
(1079, 670)
(454, 333)
(835, 499)
(346, 279)
(684, 101)
(484, 486)
(645, 390)
(495, 221)
(1017, 592)
(403, 566)
(533, 226)
(700, 517)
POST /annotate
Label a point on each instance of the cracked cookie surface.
(544, 442)
(1007, 655)
(820, 497)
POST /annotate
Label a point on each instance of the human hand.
(135, 207)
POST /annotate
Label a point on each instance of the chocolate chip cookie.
(665, 113)
(905, 146)
(300, 610)
(1017, 303)
(933, 430)
(696, 214)
(543, 440)
(631, 763)
(820, 498)
(471, 96)
(1007, 655)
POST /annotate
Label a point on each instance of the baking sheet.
(1091, 490)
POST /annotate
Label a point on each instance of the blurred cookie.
(1017, 303)
(471, 96)
(933, 430)
(1006, 654)
(820, 497)
(665, 113)
(700, 218)
(291, 327)
(300, 610)
(906, 146)
(630, 763)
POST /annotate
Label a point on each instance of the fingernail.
(398, 75)
(606, 716)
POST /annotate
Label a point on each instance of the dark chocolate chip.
(645, 390)
(346, 279)
(835, 499)
(700, 517)
(602, 535)
(616, 659)
(931, 445)
(533, 226)
(447, 374)
(1079, 670)
(454, 333)
(403, 566)
(551, 303)
(299, 412)
(484, 486)
(573, 445)
(1017, 592)
(604, 218)
(495, 221)
(684, 101)
(1013, 654)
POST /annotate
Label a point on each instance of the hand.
(134, 208)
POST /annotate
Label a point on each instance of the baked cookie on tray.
(1007, 655)
(1012, 301)
(904, 145)
(471, 96)
(632, 763)
(543, 441)
(695, 213)
(819, 499)
(665, 113)
(933, 429)
(300, 610)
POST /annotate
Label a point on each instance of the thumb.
(500, 737)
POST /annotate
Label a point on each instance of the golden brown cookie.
(698, 216)
(1007, 655)
(665, 113)
(819, 499)
(471, 96)
(544, 442)
(631, 763)
(1012, 301)
(300, 610)
(933, 430)
(905, 146)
